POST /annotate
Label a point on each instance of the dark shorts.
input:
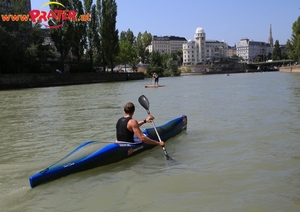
(156, 79)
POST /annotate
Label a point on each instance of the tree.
(62, 36)
(93, 39)
(258, 58)
(276, 55)
(180, 56)
(38, 51)
(293, 44)
(129, 36)
(173, 63)
(79, 28)
(109, 33)
(156, 59)
(99, 54)
(164, 60)
(8, 51)
(269, 56)
(156, 65)
(142, 42)
(18, 33)
(127, 54)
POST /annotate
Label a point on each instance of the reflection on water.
(240, 153)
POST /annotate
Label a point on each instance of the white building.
(248, 50)
(202, 50)
(189, 53)
(216, 49)
(193, 52)
(166, 44)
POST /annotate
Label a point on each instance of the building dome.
(199, 30)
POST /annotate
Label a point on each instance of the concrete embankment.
(290, 69)
(18, 81)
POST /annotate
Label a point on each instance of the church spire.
(270, 40)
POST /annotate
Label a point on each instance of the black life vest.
(123, 134)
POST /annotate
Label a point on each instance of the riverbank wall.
(19, 81)
(290, 69)
(233, 68)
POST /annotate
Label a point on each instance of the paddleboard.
(154, 86)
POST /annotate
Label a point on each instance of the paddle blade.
(166, 154)
(168, 157)
(144, 102)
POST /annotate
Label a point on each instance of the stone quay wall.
(19, 81)
(290, 69)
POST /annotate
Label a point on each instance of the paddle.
(145, 103)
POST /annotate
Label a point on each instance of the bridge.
(270, 64)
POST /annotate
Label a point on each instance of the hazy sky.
(228, 20)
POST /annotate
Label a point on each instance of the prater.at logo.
(55, 18)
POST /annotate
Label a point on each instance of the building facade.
(248, 50)
(231, 51)
(189, 52)
(201, 51)
(194, 52)
(166, 44)
(215, 50)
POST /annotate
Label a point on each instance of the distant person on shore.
(156, 78)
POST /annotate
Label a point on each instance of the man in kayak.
(127, 127)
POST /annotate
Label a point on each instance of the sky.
(223, 20)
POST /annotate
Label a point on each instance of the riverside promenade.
(290, 69)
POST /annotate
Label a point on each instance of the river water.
(241, 151)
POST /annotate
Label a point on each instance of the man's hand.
(161, 143)
(149, 118)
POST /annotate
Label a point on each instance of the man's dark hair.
(129, 108)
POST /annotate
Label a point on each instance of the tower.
(200, 40)
(270, 40)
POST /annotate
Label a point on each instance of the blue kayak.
(92, 154)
